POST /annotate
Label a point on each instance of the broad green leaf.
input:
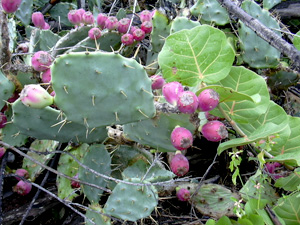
(180, 23)
(227, 94)
(255, 219)
(291, 182)
(246, 82)
(201, 54)
(291, 158)
(253, 204)
(288, 208)
(268, 4)
(264, 215)
(224, 220)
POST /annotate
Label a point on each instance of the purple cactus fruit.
(132, 29)
(22, 187)
(52, 93)
(33, 95)
(10, 6)
(146, 27)
(138, 34)
(146, 15)
(101, 18)
(22, 173)
(38, 19)
(3, 120)
(111, 23)
(41, 61)
(157, 82)
(214, 131)
(179, 165)
(75, 184)
(127, 39)
(46, 76)
(187, 102)
(2, 152)
(271, 169)
(46, 26)
(181, 138)
(183, 194)
(171, 91)
(94, 33)
(123, 25)
(210, 117)
(81, 11)
(208, 100)
(74, 16)
(88, 18)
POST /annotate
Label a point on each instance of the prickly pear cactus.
(157, 131)
(42, 40)
(108, 78)
(41, 146)
(131, 202)
(7, 88)
(24, 12)
(48, 123)
(210, 11)
(97, 218)
(69, 166)
(99, 164)
(256, 51)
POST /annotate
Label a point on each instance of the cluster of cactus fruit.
(81, 94)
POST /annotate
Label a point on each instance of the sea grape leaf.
(291, 182)
(288, 209)
(249, 83)
(201, 54)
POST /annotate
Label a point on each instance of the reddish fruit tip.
(75, 184)
(181, 138)
(179, 165)
(187, 102)
(157, 82)
(183, 194)
(214, 131)
(127, 39)
(208, 100)
(22, 173)
(94, 33)
(2, 151)
(171, 91)
(22, 187)
(3, 120)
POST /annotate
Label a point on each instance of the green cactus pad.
(256, 51)
(24, 12)
(98, 159)
(140, 168)
(41, 146)
(7, 89)
(60, 12)
(212, 199)
(67, 165)
(157, 131)
(47, 123)
(210, 11)
(69, 40)
(129, 202)
(97, 218)
(42, 40)
(161, 30)
(102, 88)
(180, 23)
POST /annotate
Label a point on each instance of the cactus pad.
(97, 218)
(7, 88)
(129, 202)
(102, 88)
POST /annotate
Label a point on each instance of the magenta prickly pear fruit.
(208, 100)
(33, 95)
(183, 194)
(2, 152)
(46, 26)
(10, 6)
(101, 18)
(41, 61)
(38, 19)
(171, 91)
(271, 169)
(132, 29)
(88, 18)
(81, 11)
(22, 187)
(23, 47)
(123, 25)
(52, 93)
(210, 117)
(75, 184)
(3, 120)
(74, 16)
(157, 82)
(181, 138)
(94, 33)
(214, 131)
(179, 165)
(127, 39)
(22, 173)
(46, 76)
(187, 102)
(146, 27)
(146, 15)
(138, 34)
(111, 23)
